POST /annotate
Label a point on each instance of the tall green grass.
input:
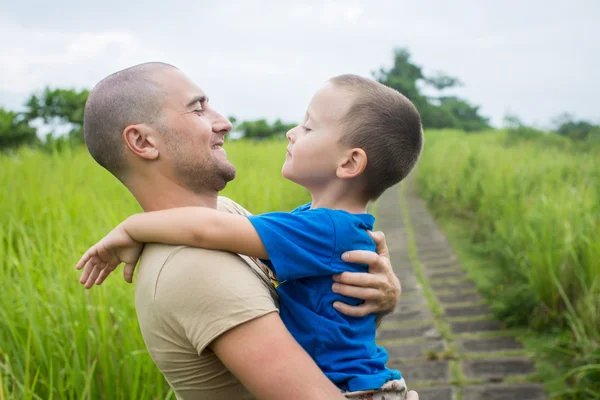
(57, 340)
(534, 211)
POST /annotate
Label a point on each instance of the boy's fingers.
(93, 275)
(103, 274)
(89, 266)
(84, 259)
(128, 272)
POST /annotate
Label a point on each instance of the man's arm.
(230, 310)
(285, 370)
(197, 227)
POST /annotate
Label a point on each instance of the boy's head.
(355, 128)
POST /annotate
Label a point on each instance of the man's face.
(192, 135)
(314, 147)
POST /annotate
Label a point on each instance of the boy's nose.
(290, 135)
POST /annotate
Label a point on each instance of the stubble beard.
(200, 174)
(205, 175)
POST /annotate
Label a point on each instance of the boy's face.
(314, 148)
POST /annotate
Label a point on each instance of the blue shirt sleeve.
(299, 244)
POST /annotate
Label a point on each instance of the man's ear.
(140, 139)
(353, 164)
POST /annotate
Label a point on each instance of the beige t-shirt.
(185, 297)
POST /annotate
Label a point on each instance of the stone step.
(426, 330)
(523, 391)
(423, 371)
(475, 326)
(488, 344)
(406, 351)
(460, 297)
(442, 266)
(434, 393)
(457, 285)
(467, 311)
(497, 368)
(437, 275)
(413, 313)
(438, 259)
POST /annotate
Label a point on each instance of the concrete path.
(442, 336)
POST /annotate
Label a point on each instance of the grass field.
(58, 341)
(532, 212)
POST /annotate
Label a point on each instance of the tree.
(59, 106)
(436, 111)
(15, 131)
(566, 125)
(261, 129)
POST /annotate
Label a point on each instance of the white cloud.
(265, 58)
(32, 59)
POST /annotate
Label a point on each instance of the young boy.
(358, 138)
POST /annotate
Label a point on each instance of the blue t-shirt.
(305, 248)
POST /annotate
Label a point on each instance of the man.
(208, 320)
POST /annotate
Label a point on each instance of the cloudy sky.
(262, 58)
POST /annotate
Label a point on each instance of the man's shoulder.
(225, 204)
(171, 266)
(162, 254)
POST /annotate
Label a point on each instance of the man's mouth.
(218, 146)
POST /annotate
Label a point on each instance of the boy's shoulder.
(341, 219)
(303, 207)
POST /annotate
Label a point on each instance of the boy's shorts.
(391, 390)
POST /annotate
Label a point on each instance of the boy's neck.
(339, 198)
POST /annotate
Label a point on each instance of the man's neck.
(162, 194)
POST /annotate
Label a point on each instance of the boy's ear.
(353, 164)
(141, 140)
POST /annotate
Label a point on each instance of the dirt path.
(442, 337)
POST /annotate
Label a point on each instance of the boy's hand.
(101, 259)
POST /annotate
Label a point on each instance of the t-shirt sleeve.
(208, 293)
(225, 204)
(299, 245)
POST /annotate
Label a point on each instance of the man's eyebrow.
(197, 99)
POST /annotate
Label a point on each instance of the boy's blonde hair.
(387, 126)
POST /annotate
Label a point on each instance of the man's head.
(150, 120)
(355, 128)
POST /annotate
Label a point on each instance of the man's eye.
(199, 111)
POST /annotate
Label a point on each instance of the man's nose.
(221, 124)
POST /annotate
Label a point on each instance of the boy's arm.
(197, 227)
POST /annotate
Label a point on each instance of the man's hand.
(412, 395)
(379, 288)
(101, 259)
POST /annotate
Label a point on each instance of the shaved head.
(127, 97)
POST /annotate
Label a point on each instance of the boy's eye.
(306, 129)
